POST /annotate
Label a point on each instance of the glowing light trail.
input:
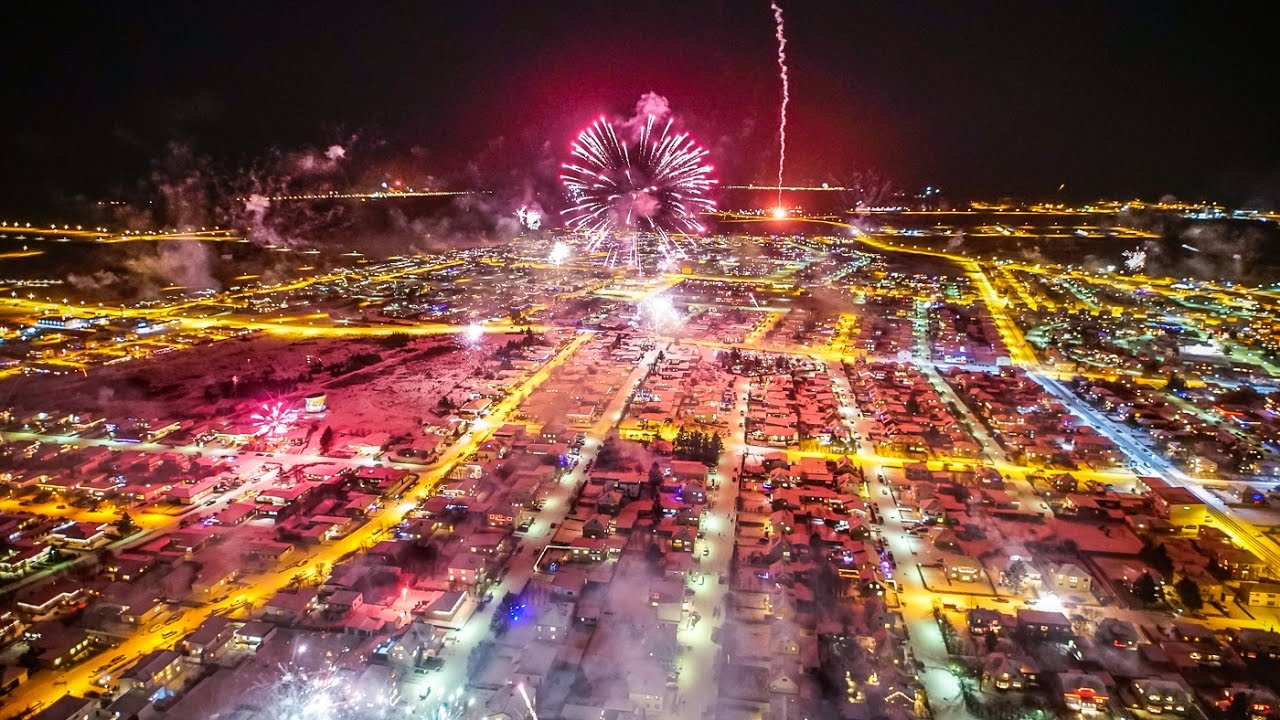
(786, 98)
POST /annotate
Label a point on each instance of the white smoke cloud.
(335, 153)
(187, 264)
(97, 280)
(650, 104)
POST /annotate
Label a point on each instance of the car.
(169, 634)
(705, 551)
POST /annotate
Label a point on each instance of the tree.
(992, 641)
(653, 554)
(1189, 594)
(1157, 556)
(1239, 708)
(716, 449)
(326, 440)
(655, 476)
(656, 510)
(125, 525)
(1144, 588)
(609, 457)
(1015, 574)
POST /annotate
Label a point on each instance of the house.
(1085, 692)
(152, 672)
(553, 621)
(56, 645)
(465, 569)
(1001, 672)
(289, 606)
(1043, 625)
(1162, 695)
(196, 492)
(1069, 578)
(208, 640)
(253, 634)
(46, 598)
(1178, 505)
(451, 610)
(963, 569)
(1257, 645)
(1260, 594)
(69, 707)
(342, 602)
(648, 690)
(1117, 633)
(688, 470)
(983, 621)
(79, 535)
(21, 561)
(416, 646)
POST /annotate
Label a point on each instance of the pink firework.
(275, 420)
(656, 185)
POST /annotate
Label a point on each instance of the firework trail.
(786, 94)
(1135, 260)
(656, 184)
(1190, 247)
(527, 704)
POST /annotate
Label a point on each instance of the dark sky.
(1111, 98)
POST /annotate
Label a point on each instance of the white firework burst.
(655, 187)
(275, 419)
(1135, 260)
(530, 217)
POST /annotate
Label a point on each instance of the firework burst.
(275, 420)
(1135, 260)
(530, 217)
(560, 253)
(654, 186)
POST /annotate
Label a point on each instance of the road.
(555, 508)
(698, 652)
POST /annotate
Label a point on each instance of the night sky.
(1113, 99)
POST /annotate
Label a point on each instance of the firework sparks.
(299, 694)
(473, 334)
(527, 703)
(530, 217)
(1135, 260)
(786, 98)
(657, 184)
(560, 253)
(662, 311)
(275, 420)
